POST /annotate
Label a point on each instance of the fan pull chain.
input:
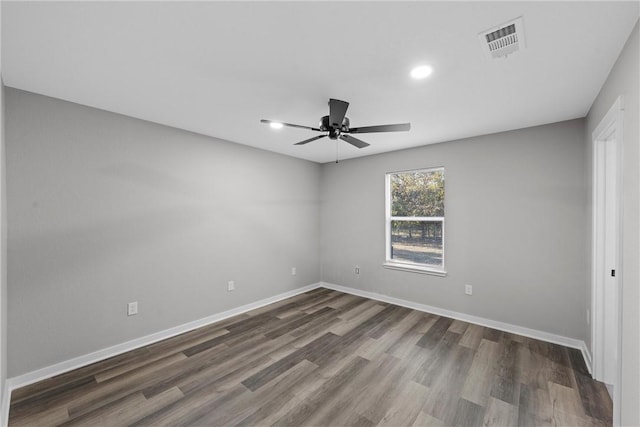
(336, 151)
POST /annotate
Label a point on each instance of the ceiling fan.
(336, 125)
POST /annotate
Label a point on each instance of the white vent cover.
(504, 39)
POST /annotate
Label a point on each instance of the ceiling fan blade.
(337, 111)
(289, 125)
(354, 141)
(382, 128)
(306, 141)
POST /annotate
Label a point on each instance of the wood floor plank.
(323, 396)
(51, 399)
(559, 374)
(323, 304)
(565, 400)
(348, 313)
(389, 322)
(492, 334)
(441, 356)
(54, 386)
(535, 407)
(188, 339)
(433, 336)
(52, 416)
(347, 302)
(428, 321)
(388, 387)
(354, 338)
(259, 379)
(126, 410)
(406, 343)
(577, 361)
(407, 406)
(472, 336)
(177, 412)
(77, 375)
(205, 345)
(353, 322)
(595, 398)
(271, 412)
(326, 358)
(295, 323)
(446, 383)
(116, 388)
(236, 410)
(289, 302)
(173, 375)
(508, 360)
(241, 361)
(425, 420)
(120, 370)
(277, 398)
(374, 347)
(536, 374)
(303, 336)
(505, 389)
(468, 414)
(318, 378)
(376, 380)
(478, 384)
(458, 327)
(500, 413)
(336, 411)
(224, 377)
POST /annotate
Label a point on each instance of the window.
(415, 220)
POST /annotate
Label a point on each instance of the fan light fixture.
(421, 72)
(276, 125)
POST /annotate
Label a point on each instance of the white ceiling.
(217, 68)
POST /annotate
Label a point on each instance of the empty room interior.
(320, 213)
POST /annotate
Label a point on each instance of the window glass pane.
(418, 242)
(419, 193)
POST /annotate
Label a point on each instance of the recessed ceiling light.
(421, 71)
(275, 125)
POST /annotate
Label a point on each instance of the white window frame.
(405, 265)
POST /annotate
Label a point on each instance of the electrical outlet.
(357, 270)
(132, 308)
(468, 289)
(293, 271)
(231, 285)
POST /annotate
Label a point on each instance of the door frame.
(609, 129)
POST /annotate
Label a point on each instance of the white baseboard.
(4, 405)
(506, 327)
(586, 354)
(87, 359)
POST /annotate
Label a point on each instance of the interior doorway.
(606, 249)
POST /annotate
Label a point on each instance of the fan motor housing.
(334, 133)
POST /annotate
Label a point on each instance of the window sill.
(414, 269)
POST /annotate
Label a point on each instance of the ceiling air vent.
(503, 40)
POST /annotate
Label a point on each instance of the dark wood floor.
(327, 358)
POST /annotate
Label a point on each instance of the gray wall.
(515, 214)
(623, 80)
(105, 209)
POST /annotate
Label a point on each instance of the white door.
(606, 265)
(606, 247)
